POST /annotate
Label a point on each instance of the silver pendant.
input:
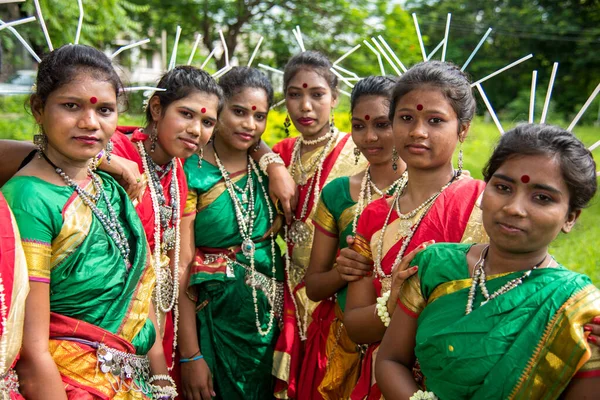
(248, 247)
(169, 238)
(166, 213)
(244, 198)
(299, 232)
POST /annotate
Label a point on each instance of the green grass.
(579, 250)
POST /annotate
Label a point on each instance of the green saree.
(94, 295)
(240, 359)
(526, 344)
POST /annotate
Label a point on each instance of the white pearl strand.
(365, 192)
(317, 140)
(296, 158)
(426, 205)
(479, 278)
(247, 229)
(160, 277)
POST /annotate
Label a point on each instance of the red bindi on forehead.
(525, 179)
(420, 107)
(93, 100)
(305, 85)
(203, 110)
(367, 117)
(253, 108)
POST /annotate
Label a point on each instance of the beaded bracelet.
(268, 159)
(167, 378)
(381, 307)
(164, 392)
(187, 360)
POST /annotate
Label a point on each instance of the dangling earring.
(41, 142)
(356, 155)
(460, 160)
(153, 138)
(395, 158)
(332, 123)
(256, 147)
(200, 156)
(108, 150)
(286, 126)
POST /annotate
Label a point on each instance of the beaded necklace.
(479, 279)
(167, 281)
(245, 219)
(5, 333)
(365, 196)
(109, 222)
(299, 232)
(423, 208)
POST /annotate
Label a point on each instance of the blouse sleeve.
(191, 203)
(323, 219)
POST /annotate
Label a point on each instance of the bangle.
(187, 360)
(421, 395)
(268, 159)
(96, 161)
(381, 307)
(167, 378)
(164, 392)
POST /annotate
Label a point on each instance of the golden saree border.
(345, 164)
(474, 231)
(562, 350)
(282, 363)
(139, 307)
(191, 202)
(12, 336)
(346, 218)
(455, 286)
(37, 256)
(77, 221)
(324, 220)
(362, 247)
(206, 199)
(411, 298)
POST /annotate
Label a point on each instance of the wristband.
(187, 360)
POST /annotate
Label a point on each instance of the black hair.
(182, 81)
(314, 61)
(240, 78)
(576, 161)
(61, 66)
(447, 77)
(372, 86)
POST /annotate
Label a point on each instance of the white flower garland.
(382, 310)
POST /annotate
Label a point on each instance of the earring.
(108, 150)
(41, 142)
(153, 138)
(256, 147)
(356, 155)
(200, 156)
(332, 123)
(460, 160)
(395, 158)
(286, 126)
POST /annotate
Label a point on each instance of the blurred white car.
(20, 82)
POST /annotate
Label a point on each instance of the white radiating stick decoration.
(227, 67)
(298, 35)
(263, 66)
(346, 54)
(222, 71)
(594, 146)
(80, 22)
(549, 93)
(173, 60)
(585, 107)
(255, 52)
(17, 22)
(279, 103)
(137, 88)
(436, 49)
(347, 72)
(532, 96)
(419, 36)
(210, 55)
(394, 56)
(344, 93)
(448, 18)
(378, 56)
(40, 16)
(341, 77)
(490, 108)
(387, 58)
(481, 42)
(127, 47)
(23, 42)
(509, 66)
(12, 91)
(195, 48)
